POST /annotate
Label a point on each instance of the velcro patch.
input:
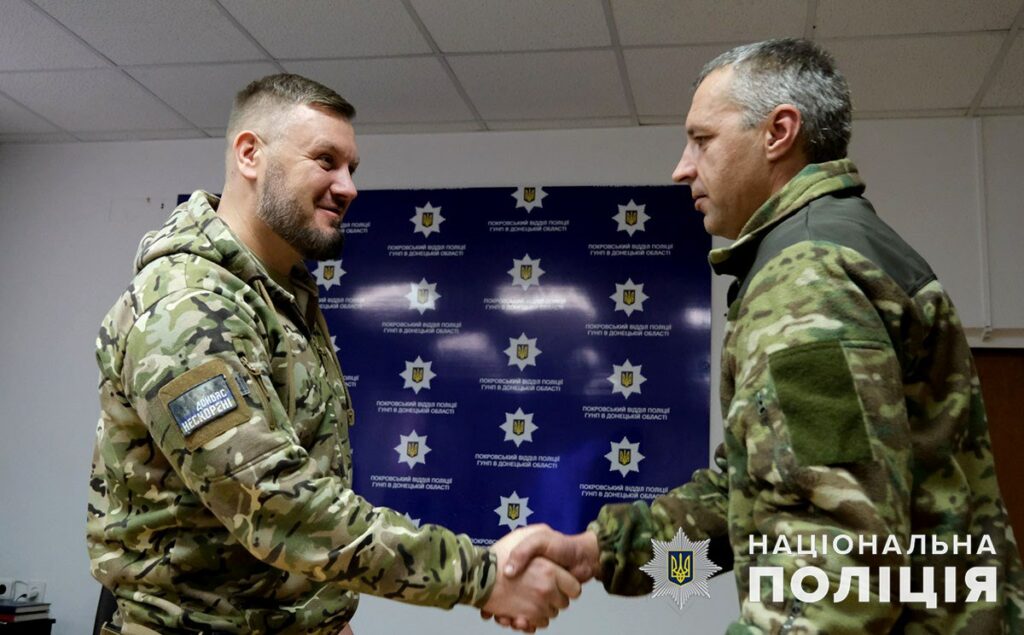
(202, 404)
(205, 402)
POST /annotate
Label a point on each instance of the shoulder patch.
(205, 402)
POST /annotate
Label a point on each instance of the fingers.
(533, 544)
(568, 585)
(578, 554)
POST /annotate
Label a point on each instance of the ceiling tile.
(155, 31)
(405, 89)
(662, 78)
(202, 93)
(842, 18)
(568, 84)
(654, 22)
(329, 28)
(89, 100)
(16, 119)
(30, 40)
(1007, 89)
(499, 25)
(924, 77)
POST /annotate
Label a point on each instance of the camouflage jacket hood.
(195, 228)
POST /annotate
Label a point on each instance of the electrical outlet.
(29, 590)
(6, 588)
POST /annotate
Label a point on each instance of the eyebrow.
(330, 146)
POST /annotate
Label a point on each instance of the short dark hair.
(285, 89)
(792, 71)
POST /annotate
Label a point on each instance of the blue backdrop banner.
(521, 355)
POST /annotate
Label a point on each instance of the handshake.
(539, 571)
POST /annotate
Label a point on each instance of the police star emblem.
(626, 378)
(328, 273)
(629, 297)
(522, 351)
(412, 449)
(427, 220)
(624, 457)
(423, 296)
(417, 375)
(518, 427)
(513, 511)
(525, 272)
(631, 218)
(680, 568)
(529, 197)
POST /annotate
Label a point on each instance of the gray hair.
(275, 92)
(797, 72)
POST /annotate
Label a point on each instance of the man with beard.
(221, 493)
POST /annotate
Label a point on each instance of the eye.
(326, 161)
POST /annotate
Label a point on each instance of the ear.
(782, 131)
(247, 152)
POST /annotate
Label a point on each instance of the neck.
(784, 171)
(238, 210)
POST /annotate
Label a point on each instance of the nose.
(344, 187)
(686, 169)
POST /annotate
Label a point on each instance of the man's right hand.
(530, 599)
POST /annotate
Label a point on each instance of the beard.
(284, 214)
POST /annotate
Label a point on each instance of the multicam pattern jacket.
(851, 408)
(221, 494)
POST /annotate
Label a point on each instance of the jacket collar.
(813, 181)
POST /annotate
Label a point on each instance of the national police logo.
(626, 378)
(631, 218)
(529, 197)
(525, 272)
(629, 297)
(513, 511)
(522, 351)
(680, 568)
(417, 375)
(518, 427)
(328, 273)
(624, 457)
(412, 449)
(423, 296)
(427, 220)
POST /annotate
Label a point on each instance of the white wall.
(71, 216)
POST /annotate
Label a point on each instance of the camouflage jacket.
(851, 408)
(221, 494)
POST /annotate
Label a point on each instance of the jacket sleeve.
(818, 437)
(624, 531)
(187, 372)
